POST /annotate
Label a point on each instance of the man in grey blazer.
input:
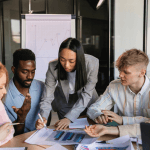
(64, 94)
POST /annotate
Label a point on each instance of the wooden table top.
(18, 141)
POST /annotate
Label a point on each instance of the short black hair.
(22, 54)
(81, 75)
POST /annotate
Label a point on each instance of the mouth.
(123, 80)
(28, 82)
(67, 69)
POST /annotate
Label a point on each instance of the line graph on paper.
(44, 39)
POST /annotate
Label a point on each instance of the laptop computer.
(145, 135)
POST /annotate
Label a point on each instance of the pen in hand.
(15, 124)
(41, 119)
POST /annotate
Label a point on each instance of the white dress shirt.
(134, 108)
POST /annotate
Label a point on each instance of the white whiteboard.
(43, 34)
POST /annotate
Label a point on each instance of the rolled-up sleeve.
(131, 130)
(86, 93)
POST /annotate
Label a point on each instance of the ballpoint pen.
(15, 123)
(41, 119)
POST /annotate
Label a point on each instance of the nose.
(4, 90)
(121, 75)
(67, 65)
(30, 76)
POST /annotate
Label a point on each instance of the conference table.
(18, 141)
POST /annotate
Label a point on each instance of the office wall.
(11, 31)
(54, 6)
(148, 38)
(12, 10)
(128, 27)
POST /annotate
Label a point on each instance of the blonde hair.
(132, 57)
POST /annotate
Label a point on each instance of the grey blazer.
(60, 90)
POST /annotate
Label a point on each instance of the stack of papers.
(118, 143)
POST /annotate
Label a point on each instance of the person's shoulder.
(90, 58)
(53, 62)
(38, 83)
(115, 83)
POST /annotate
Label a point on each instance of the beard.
(22, 82)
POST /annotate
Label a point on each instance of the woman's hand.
(96, 130)
(62, 124)
(5, 130)
(39, 124)
(100, 130)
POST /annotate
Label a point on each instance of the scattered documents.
(79, 123)
(47, 136)
(14, 148)
(56, 147)
(134, 139)
(122, 143)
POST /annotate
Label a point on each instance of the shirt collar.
(15, 92)
(146, 84)
(144, 87)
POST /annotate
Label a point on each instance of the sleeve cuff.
(46, 115)
(93, 115)
(128, 120)
(72, 118)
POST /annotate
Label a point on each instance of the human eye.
(1, 87)
(24, 72)
(72, 61)
(126, 72)
(61, 59)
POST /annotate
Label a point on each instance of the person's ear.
(142, 73)
(13, 69)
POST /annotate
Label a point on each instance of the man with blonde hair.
(130, 93)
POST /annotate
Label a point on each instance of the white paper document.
(56, 147)
(79, 123)
(14, 148)
(47, 136)
(134, 139)
(121, 143)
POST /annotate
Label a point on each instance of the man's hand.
(39, 124)
(113, 116)
(102, 119)
(5, 130)
(96, 130)
(62, 124)
(23, 111)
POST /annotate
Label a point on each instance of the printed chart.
(43, 37)
(67, 137)
(47, 136)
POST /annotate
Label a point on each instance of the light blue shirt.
(134, 108)
(15, 98)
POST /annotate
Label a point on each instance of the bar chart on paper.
(44, 36)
